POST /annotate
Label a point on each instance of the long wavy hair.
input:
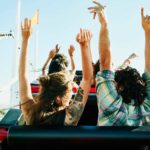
(130, 85)
(52, 85)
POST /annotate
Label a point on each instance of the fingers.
(78, 37)
(96, 9)
(94, 15)
(145, 21)
(26, 29)
(98, 4)
(87, 35)
(84, 36)
(71, 50)
(57, 48)
(29, 23)
(142, 12)
(93, 11)
(95, 2)
(72, 47)
(21, 26)
(147, 18)
(91, 8)
(26, 24)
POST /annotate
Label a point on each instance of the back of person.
(53, 105)
(48, 118)
(127, 105)
(124, 96)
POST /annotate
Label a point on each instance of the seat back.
(27, 137)
(11, 117)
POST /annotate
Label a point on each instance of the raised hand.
(145, 21)
(102, 19)
(71, 50)
(96, 9)
(127, 61)
(52, 53)
(146, 26)
(84, 37)
(26, 29)
(132, 56)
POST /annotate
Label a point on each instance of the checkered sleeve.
(109, 101)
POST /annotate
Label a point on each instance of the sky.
(59, 22)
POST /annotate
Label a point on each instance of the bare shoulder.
(27, 109)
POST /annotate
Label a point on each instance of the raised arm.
(71, 50)
(146, 27)
(24, 85)
(127, 61)
(52, 54)
(48, 60)
(83, 38)
(75, 109)
(104, 43)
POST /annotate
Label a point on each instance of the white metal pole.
(17, 38)
(36, 53)
(14, 87)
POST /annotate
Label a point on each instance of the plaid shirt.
(112, 110)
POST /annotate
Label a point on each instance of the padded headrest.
(78, 136)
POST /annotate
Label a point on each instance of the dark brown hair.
(96, 68)
(130, 85)
(58, 63)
